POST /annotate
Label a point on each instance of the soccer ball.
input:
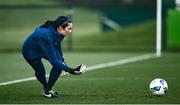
(158, 87)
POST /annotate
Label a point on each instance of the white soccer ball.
(158, 87)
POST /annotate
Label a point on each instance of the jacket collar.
(55, 33)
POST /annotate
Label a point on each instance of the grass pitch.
(122, 84)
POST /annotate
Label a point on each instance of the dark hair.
(60, 21)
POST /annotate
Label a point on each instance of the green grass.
(138, 37)
(17, 67)
(122, 84)
(30, 2)
(17, 24)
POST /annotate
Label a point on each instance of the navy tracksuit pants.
(40, 73)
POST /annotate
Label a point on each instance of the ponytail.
(47, 23)
(60, 21)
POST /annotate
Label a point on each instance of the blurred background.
(104, 31)
(99, 25)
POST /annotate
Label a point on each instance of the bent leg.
(39, 69)
(54, 74)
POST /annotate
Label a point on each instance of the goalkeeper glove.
(78, 70)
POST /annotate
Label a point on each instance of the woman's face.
(65, 31)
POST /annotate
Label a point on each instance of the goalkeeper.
(45, 42)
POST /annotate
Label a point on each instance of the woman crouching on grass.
(45, 42)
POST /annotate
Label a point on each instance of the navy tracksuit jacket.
(45, 43)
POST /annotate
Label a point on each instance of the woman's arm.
(46, 45)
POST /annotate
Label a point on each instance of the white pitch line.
(122, 61)
(98, 66)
